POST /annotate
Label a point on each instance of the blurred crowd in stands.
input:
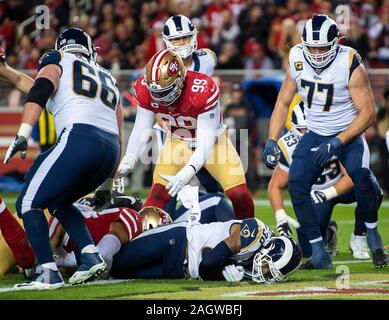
(250, 35)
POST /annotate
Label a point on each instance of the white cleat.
(359, 248)
(44, 279)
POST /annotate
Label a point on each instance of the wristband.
(25, 130)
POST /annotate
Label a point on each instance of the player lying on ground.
(188, 103)
(334, 186)
(231, 251)
(109, 228)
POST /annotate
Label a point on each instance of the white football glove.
(233, 273)
(189, 197)
(283, 221)
(126, 166)
(179, 181)
(321, 196)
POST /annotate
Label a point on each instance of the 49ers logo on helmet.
(172, 68)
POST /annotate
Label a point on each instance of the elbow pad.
(40, 92)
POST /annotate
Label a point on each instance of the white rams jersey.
(87, 93)
(329, 107)
(253, 234)
(331, 172)
(204, 61)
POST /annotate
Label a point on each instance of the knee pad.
(365, 181)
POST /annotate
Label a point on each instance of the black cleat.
(380, 258)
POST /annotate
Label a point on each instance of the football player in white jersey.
(84, 100)
(339, 107)
(334, 186)
(231, 251)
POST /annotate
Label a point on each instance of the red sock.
(242, 202)
(16, 238)
(158, 196)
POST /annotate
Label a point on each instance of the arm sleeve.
(213, 260)
(140, 133)
(387, 140)
(208, 124)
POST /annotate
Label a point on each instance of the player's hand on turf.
(271, 154)
(318, 196)
(284, 222)
(179, 181)
(326, 151)
(19, 144)
(233, 273)
(126, 166)
(2, 56)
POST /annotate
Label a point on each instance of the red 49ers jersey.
(200, 94)
(98, 225)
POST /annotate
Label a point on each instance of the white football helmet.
(178, 27)
(298, 119)
(319, 32)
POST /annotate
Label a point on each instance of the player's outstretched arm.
(279, 182)
(344, 185)
(20, 80)
(271, 153)
(45, 84)
(281, 108)
(362, 96)
(136, 143)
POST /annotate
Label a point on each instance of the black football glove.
(284, 229)
(19, 144)
(102, 200)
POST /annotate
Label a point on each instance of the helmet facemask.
(167, 96)
(184, 50)
(320, 60)
(264, 269)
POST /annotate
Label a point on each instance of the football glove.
(126, 166)
(189, 197)
(179, 181)
(233, 273)
(19, 144)
(283, 221)
(102, 197)
(321, 196)
(271, 154)
(326, 151)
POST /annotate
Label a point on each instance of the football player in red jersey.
(188, 103)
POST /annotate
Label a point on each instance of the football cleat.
(44, 279)
(322, 262)
(92, 265)
(358, 247)
(380, 258)
(332, 241)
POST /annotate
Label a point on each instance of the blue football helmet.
(320, 31)
(75, 40)
(272, 263)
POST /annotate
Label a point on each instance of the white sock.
(67, 260)
(109, 245)
(91, 248)
(50, 265)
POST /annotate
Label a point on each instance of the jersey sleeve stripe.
(214, 95)
(132, 219)
(211, 105)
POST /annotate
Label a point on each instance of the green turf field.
(349, 278)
